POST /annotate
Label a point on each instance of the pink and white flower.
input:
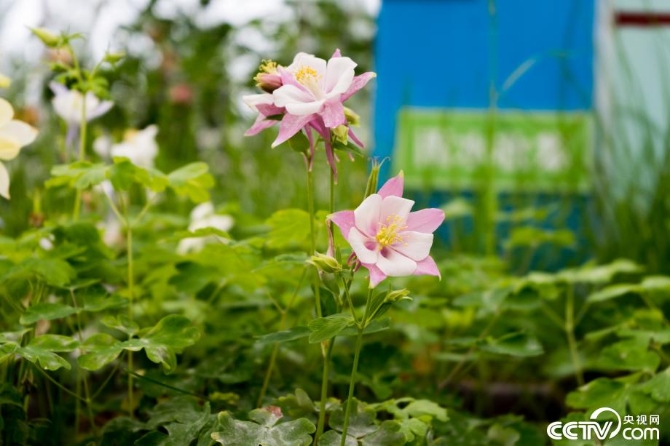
(388, 239)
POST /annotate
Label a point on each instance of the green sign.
(517, 150)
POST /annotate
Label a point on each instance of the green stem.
(354, 369)
(131, 285)
(312, 231)
(82, 154)
(87, 393)
(275, 350)
(59, 385)
(570, 332)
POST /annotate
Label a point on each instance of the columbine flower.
(307, 95)
(386, 237)
(68, 105)
(203, 216)
(139, 146)
(13, 135)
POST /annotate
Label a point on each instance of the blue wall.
(442, 53)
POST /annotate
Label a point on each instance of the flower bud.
(341, 134)
(47, 37)
(4, 81)
(352, 117)
(397, 295)
(373, 179)
(325, 263)
(114, 57)
(268, 78)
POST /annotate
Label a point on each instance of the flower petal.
(355, 138)
(304, 108)
(427, 267)
(425, 220)
(376, 275)
(289, 126)
(358, 242)
(9, 147)
(259, 125)
(394, 207)
(337, 53)
(6, 112)
(358, 82)
(339, 75)
(394, 264)
(394, 186)
(4, 181)
(308, 60)
(333, 114)
(254, 100)
(367, 215)
(415, 245)
(290, 94)
(344, 220)
(20, 131)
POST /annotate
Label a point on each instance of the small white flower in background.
(203, 216)
(13, 135)
(4, 81)
(139, 146)
(68, 104)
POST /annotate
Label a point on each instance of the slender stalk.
(82, 154)
(275, 350)
(312, 231)
(59, 385)
(131, 286)
(87, 393)
(354, 369)
(331, 343)
(570, 332)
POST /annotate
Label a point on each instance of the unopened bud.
(114, 57)
(341, 134)
(47, 37)
(397, 295)
(268, 78)
(373, 179)
(325, 263)
(4, 81)
(352, 117)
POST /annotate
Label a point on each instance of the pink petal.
(287, 78)
(330, 156)
(425, 220)
(336, 54)
(427, 267)
(312, 146)
(358, 83)
(394, 186)
(363, 246)
(393, 208)
(260, 125)
(270, 109)
(415, 245)
(289, 126)
(367, 215)
(333, 114)
(394, 264)
(344, 220)
(376, 275)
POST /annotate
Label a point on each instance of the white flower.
(13, 135)
(139, 146)
(203, 216)
(68, 104)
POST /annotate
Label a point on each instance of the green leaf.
(79, 175)
(361, 419)
(333, 438)
(40, 350)
(288, 229)
(263, 430)
(658, 386)
(46, 311)
(99, 350)
(170, 336)
(629, 354)
(602, 392)
(612, 292)
(599, 273)
(514, 344)
(192, 180)
(328, 327)
(121, 323)
(285, 336)
(299, 143)
(388, 434)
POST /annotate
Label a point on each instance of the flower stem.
(354, 369)
(275, 350)
(82, 155)
(570, 332)
(131, 286)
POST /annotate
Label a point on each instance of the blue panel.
(438, 53)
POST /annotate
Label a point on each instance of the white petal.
(339, 75)
(367, 213)
(20, 131)
(68, 106)
(305, 108)
(290, 94)
(6, 112)
(253, 100)
(394, 264)
(393, 207)
(202, 211)
(102, 145)
(415, 245)
(9, 147)
(4, 181)
(358, 241)
(221, 222)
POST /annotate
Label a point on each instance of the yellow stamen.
(268, 66)
(388, 233)
(306, 74)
